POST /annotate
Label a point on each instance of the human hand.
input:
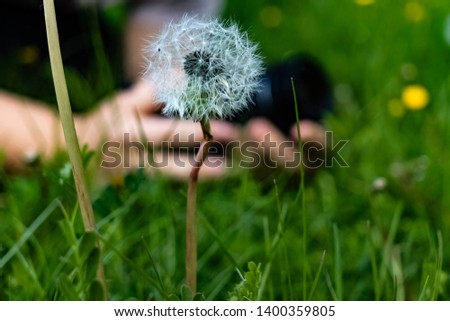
(129, 123)
(280, 150)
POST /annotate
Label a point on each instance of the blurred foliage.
(383, 221)
(248, 289)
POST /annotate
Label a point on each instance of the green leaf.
(67, 288)
(91, 264)
(96, 291)
(186, 294)
(248, 289)
(87, 245)
(199, 297)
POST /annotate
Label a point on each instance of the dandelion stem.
(191, 219)
(68, 125)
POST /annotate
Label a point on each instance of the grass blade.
(132, 265)
(301, 190)
(158, 276)
(373, 260)
(29, 232)
(337, 263)
(438, 270)
(316, 279)
(387, 251)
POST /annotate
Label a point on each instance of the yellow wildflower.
(415, 97)
(414, 11)
(364, 2)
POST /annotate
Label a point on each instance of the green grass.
(361, 243)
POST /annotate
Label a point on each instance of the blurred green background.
(375, 230)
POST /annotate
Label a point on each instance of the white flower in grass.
(203, 69)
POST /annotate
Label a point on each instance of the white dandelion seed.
(203, 69)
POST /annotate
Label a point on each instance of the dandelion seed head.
(203, 69)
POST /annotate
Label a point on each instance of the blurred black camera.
(275, 99)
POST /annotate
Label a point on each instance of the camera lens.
(275, 99)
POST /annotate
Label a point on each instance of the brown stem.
(191, 220)
(70, 134)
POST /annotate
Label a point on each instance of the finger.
(276, 148)
(310, 131)
(179, 165)
(172, 163)
(313, 141)
(181, 133)
(141, 98)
